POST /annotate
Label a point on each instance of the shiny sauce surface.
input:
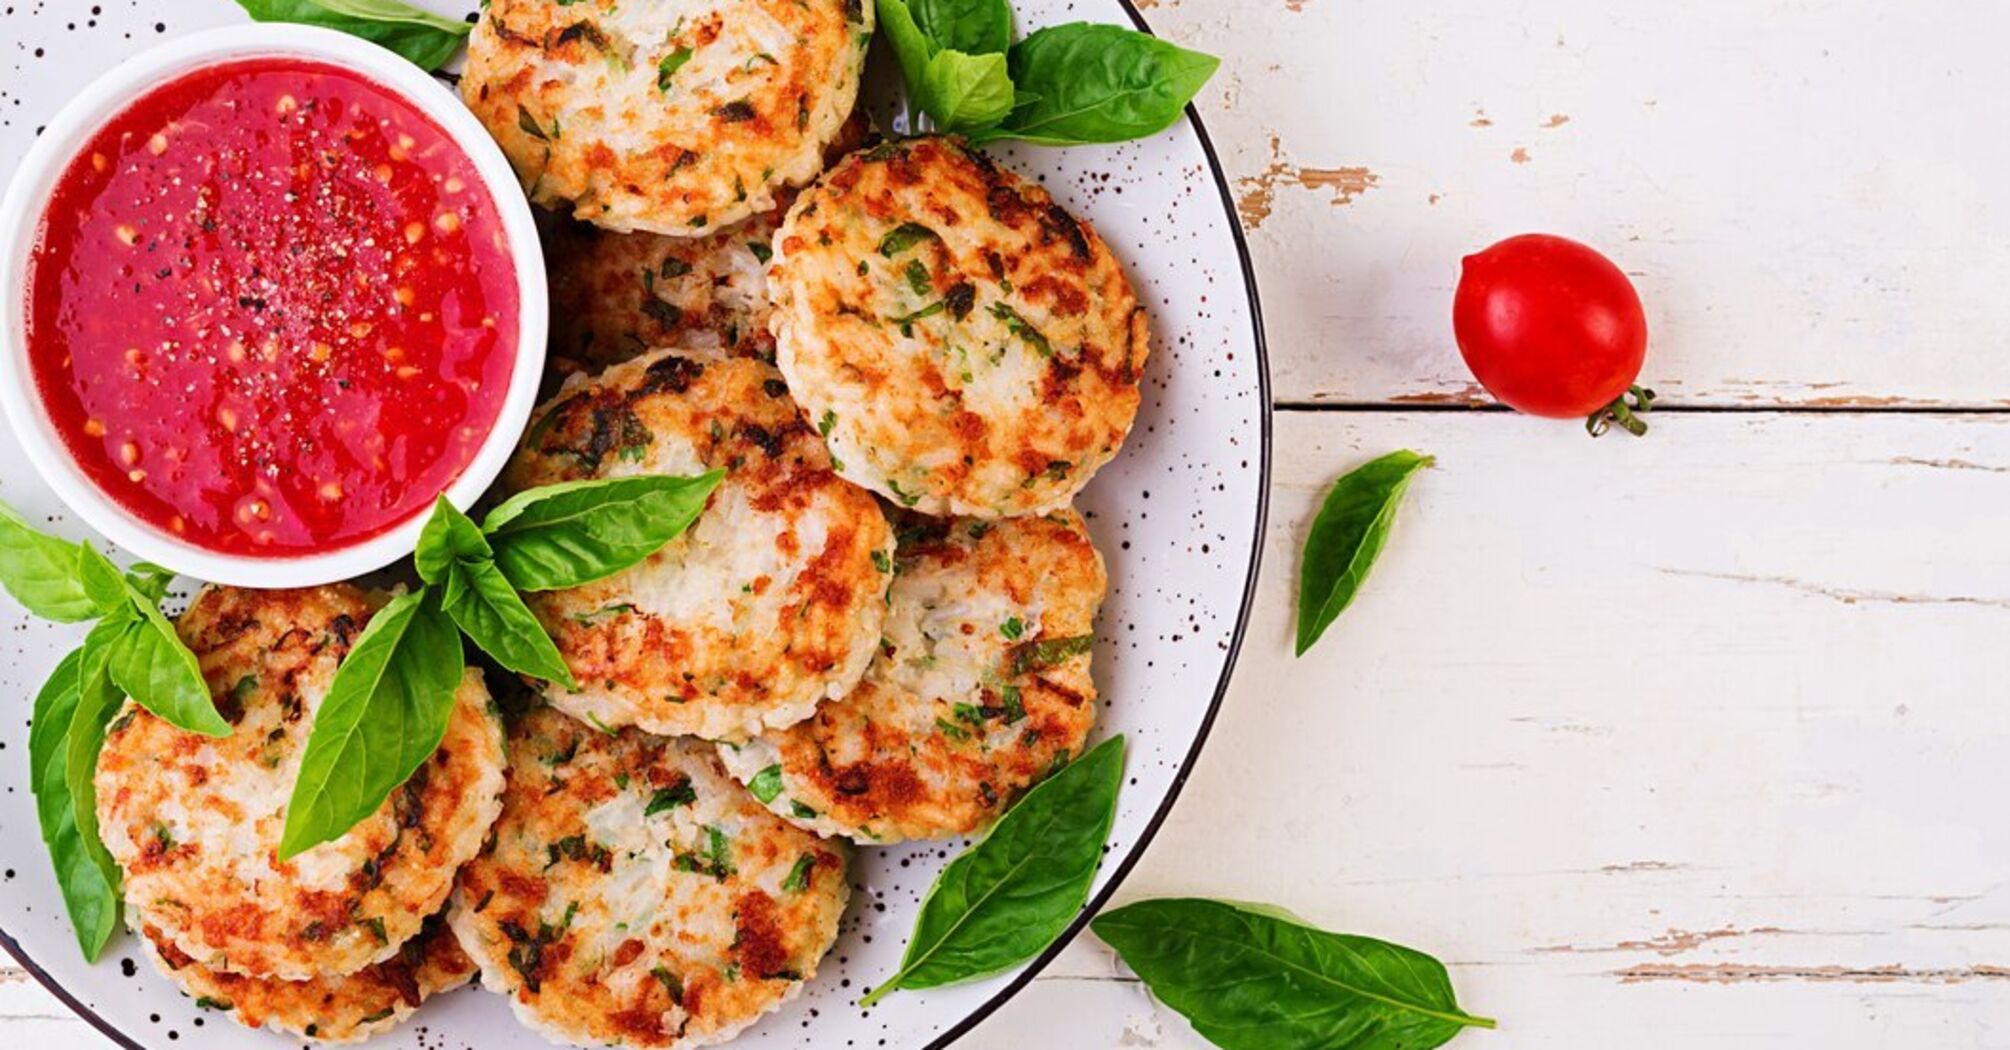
(272, 309)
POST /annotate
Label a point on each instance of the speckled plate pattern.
(1179, 517)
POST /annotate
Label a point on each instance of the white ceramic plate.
(1179, 517)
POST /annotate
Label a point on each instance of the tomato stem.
(1624, 414)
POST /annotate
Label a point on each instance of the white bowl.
(20, 219)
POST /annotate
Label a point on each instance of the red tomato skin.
(1549, 326)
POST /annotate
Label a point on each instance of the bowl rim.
(21, 214)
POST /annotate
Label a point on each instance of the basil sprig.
(1085, 82)
(385, 713)
(1082, 82)
(425, 39)
(1251, 977)
(69, 582)
(978, 27)
(962, 81)
(1005, 899)
(42, 572)
(387, 709)
(454, 556)
(576, 532)
(1346, 538)
(144, 656)
(65, 798)
(131, 650)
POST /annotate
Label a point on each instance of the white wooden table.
(1697, 740)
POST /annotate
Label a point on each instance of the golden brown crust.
(196, 822)
(635, 895)
(616, 296)
(768, 604)
(981, 687)
(969, 347)
(666, 115)
(326, 1009)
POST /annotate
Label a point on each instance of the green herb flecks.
(917, 277)
(1044, 653)
(767, 784)
(904, 236)
(1024, 329)
(665, 799)
(668, 67)
(798, 878)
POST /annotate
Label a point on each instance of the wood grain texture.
(1803, 190)
(1688, 741)
(1677, 742)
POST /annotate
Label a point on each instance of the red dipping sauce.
(272, 309)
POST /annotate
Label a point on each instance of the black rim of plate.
(1137, 851)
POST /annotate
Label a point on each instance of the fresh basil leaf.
(41, 572)
(966, 92)
(577, 532)
(147, 659)
(152, 665)
(150, 580)
(86, 875)
(101, 580)
(1006, 898)
(911, 46)
(448, 536)
(1347, 537)
(99, 699)
(385, 713)
(1251, 978)
(425, 39)
(1086, 82)
(962, 91)
(490, 612)
(974, 27)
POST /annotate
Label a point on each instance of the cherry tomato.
(1552, 328)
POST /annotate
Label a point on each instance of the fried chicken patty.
(980, 688)
(345, 1009)
(635, 895)
(966, 345)
(769, 604)
(676, 116)
(195, 822)
(615, 296)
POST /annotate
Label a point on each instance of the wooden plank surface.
(1690, 741)
(1660, 744)
(1805, 191)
